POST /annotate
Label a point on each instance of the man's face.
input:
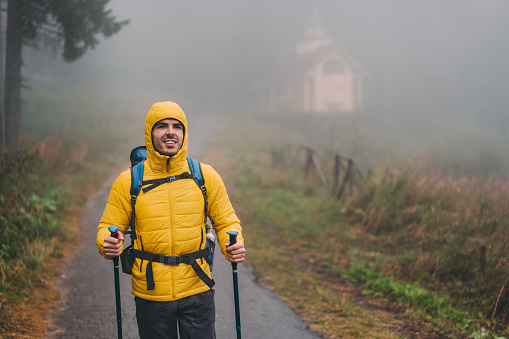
(168, 136)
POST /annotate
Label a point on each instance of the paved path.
(87, 306)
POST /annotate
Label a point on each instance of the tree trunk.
(2, 74)
(13, 63)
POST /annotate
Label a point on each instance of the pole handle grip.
(114, 231)
(233, 236)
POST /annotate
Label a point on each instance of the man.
(170, 221)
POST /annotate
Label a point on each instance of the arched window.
(333, 66)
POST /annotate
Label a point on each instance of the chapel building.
(318, 77)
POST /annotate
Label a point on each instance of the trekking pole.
(114, 233)
(233, 240)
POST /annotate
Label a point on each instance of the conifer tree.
(75, 24)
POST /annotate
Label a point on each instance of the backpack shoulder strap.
(136, 180)
(138, 154)
(195, 168)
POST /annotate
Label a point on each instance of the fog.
(433, 67)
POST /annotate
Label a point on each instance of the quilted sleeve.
(117, 211)
(220, 208)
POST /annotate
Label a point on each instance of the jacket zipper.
(172, 224)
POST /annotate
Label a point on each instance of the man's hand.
(113, 246)
(236, 252)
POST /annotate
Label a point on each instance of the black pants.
(194, 317)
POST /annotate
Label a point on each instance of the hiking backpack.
(138, 157)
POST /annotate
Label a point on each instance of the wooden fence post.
(312, 160)
(308, 162)
(335, 174)
(345, 180)
(482, 263)
(318, 170)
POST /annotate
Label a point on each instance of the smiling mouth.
(169, 142)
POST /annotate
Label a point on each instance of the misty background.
(437, 70)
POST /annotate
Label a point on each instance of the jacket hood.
(158, 112)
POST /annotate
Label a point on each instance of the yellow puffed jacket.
(170, 218)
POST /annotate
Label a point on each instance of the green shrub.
(411, 295)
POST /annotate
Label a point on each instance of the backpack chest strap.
(156, 182)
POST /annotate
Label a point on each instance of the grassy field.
(407, 234)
